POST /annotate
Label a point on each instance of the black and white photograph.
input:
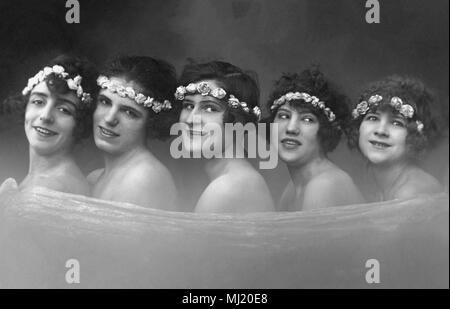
(207, 146)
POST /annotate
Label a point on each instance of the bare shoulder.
(331, 179)
(153, 173)
(245, 191)
(418, 182)
(93, 176)
(333, 187)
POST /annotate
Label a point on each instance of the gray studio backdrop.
(266, 36)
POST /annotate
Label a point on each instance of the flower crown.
(308, 99)
(139, 98)
(205, 89)
(374, 101)
(59, 71)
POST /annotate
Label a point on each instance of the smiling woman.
(132, 106)
(57, 104)
(309, 114)
(392, 127)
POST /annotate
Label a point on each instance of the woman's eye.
(308, 119)
(398, 123)
(188, 105)
(37, 101)
(282, 116)
(371, 118)
(102, 101)
(65, 111)
(130, 113)
(210, 109)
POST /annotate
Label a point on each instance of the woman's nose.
(46, 115)
(111, 117)
(194, 117)
(293, 127)
(382, 129)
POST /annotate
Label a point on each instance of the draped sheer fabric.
(127, 246)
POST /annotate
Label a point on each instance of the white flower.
(420, 126)
(233, 101)
(79, 91)
(140, 98)
(72, 85)
(257, 111)
(77, 79)
(321, 104)
(191, 88)
(218, 93)
(203, 88)
(102, 81)
(121, 91)
(407, 111)
(157, 107)
(58, 69)
(148, 102)
(375, 99)
(47, 71)
(396, 102)
(180, 92)
(130, 92)
(39, 76)
(290, 96)
(26, 90)
(167, 105)
(362, 107)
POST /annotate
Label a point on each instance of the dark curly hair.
(157, 79)
(243, 85)
(16, 105)
(313, 82)
(413, 92)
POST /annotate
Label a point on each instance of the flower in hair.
(420, 126)
(396, 103)
(234, 102)
(375, 99)
(314, 101)
(407, 111)
(129, 92)
(59, 71)
(218, 93)
(204, 88)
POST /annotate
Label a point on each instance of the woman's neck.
(302, 174)
(42, 164)
(387, 176)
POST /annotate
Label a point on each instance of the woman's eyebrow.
(42, 94)
(127, 107)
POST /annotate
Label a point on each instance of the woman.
(392, 127)
(214, 94)
(309, 113)
(132, 106)
(58, 103)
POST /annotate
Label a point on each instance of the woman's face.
(50, 120)
(382, 137)
(298, 142)
(199, 113)
(120, 124)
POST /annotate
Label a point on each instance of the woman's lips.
(379, 145)
(44, 131)
(107, 133)
(290, 143)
